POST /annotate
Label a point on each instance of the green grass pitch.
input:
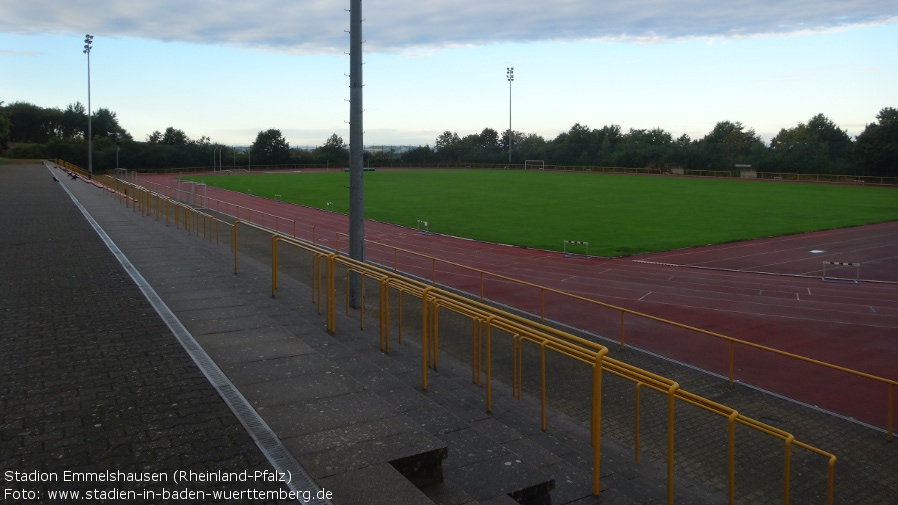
(617, 214)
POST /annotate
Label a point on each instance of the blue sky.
(228, 70)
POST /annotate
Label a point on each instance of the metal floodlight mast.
(510, 74)
(88, 45)
(356, 149)
(118, 144)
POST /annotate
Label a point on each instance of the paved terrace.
(94, 379)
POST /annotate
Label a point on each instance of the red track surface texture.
(766, 291)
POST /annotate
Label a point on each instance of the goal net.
(534, 165)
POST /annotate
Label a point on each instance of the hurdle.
(566, 243)
(423, 227)
(837, 265)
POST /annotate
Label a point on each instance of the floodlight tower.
(510, 74)
(118, 144)
(88, 42)
(356, 149)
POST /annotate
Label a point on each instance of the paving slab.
(91, 379)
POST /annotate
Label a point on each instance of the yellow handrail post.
(596, 425)
(274, 263)
(330, 276)
(316, 280)
(384, 320)
(830, 479)
(787, 468)
(435, 343)
(474, 327)
(361, 300)
(481, 286)
(489, 387)
(424, 294)
(476, 346)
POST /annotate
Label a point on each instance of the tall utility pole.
(510, 74)
(356, 150)
(88, 41)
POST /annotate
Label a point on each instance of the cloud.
(318, 26)
(7, 52)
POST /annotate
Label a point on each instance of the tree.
(448, 146)
(4, 130)
(333, 151)
(74, 121)
(877, 145)
(104, 122)
(27, 123)
(730, 143)
(447, 139)
(270, 148)
(175, 137)
(835, 141)
(818, 146)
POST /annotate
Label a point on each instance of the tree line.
(30, 131)
(815, 146)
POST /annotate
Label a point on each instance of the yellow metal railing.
(485, 318)
(731, 341)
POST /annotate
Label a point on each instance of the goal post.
(572, 247)
(534, 164)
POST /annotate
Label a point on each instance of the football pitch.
(617, 215)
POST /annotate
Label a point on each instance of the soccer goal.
(578, 247)
(192, 193)
(123, 174)
(534, 165)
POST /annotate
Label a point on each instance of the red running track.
(766, 291)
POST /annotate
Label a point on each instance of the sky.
(228, 70)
